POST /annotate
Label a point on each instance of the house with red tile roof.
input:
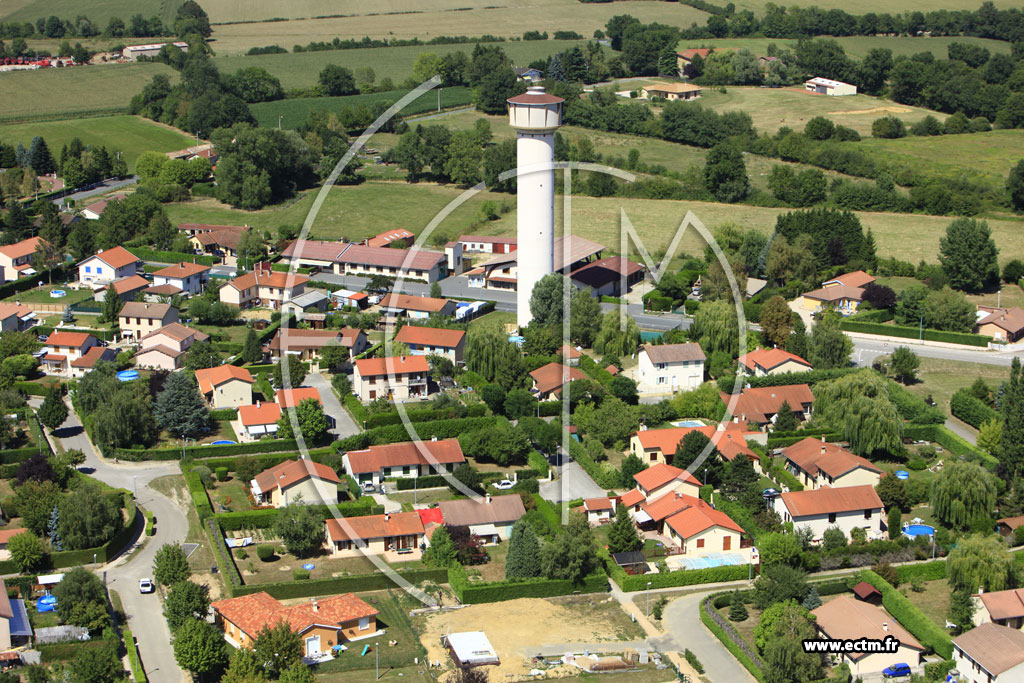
(817, 463)
(165, 348)
(398, 236)
(661, 479)
(659, 445)
(399, 532)
(403, 460)
(294, 482)
(699, 529)
(1005, 608)
(5, 536)
(432, 341)
(491, 519)
(760, 405)
(846, 508)
(398, 378)
(842, 293)
(81, 366)
(415, 307)
(1002, 324)
(16, 317)
(599, 510)
(307, 344)
(126, 288)
(138, 318)
(64, 347)
(291, 398)
(16, 259)
(257, 421)
(190, 278)
(663, 370)
(263, 287)
(107, 265)
(321, 623)
(844, 618)
(216, 240)
(225, 386)
(764, 362)
(549, 379)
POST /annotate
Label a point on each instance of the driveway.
(573, 482)
(143, 612)
(683, 626)
(344, 425)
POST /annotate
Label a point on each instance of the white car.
(503, 484)
(146, 586)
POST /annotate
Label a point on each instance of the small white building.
(133, 52)
(666, 369)
(190, 278)
(847, 508)
(990, 654)
(826, 86)
(108, 265)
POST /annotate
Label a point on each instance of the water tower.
(535, 115)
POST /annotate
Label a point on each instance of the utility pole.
(920, 329)
(439, 100)
(279, 117)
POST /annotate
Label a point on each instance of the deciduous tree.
(904, 364)
(199, 647)
(981, 563)
(170, 565)
(185, 601)
(968, 254)
(776, 321)
(963, 492)
(300, 528)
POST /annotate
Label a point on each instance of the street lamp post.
(648, 600)
(376, 652)
(279, 117)
(135, 491)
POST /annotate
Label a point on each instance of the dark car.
(896, 670)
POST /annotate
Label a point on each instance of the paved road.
(344, 425)
(573, 482)
(962, 430)
(145, 617)
(104, 187)
(683, 627)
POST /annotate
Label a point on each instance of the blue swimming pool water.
(128, 375)
(223, 442)
(712, 560)
(688, 423)
(913, 530)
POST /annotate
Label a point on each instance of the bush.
(300, 575)
(265, 551)
(913, 333)
(222, 473)
(971, 410)
(694, 662)
(499, 591)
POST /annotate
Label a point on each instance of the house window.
(661, 366)
(831, 518)
(661, 380)
(654, 457)
(88, 269)
(700, 542)
(364, 623)
(867, 514)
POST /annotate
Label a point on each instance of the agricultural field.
(131, 135)
(295, 111)
(773, 108)
(758, 6)
(301, 70)
(404, 19)
(859, 46)
(99, 12)
(65, 93)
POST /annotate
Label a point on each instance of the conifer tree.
(737, 610)
(622, 536)
(523, 559)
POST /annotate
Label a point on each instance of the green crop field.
(87, 90)
(295, 111)
(301, 70)
(757, 6)
(858, 46)
(131, 135)
(408, 19)
(99, 11)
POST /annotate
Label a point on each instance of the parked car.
(368, 487)
(146, 586)
(503, 485)
(42, 337)
(896, 670)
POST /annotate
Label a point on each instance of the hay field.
(99, 11)
(131, 135)
(773, 108)
(858, 47)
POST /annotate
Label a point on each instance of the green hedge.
(138, 672)
(787, 441)
(424, 415)
(971, 410)
(548, 512)
(912, 618)
(14, 456)
(428, 481)
(686, 577)
(355, 408)
(785, 478)
(915, 333)
(605, 477)
(340, 584)
(929, 571)
(442, 429)
(224, 414)
(172, 256)
(912, 407)
(941, 435)
(54, 652)
(208, 451)
(875, 315)
(264, 519)
(37, 388)
(225, 561)
(498, 591)
(538, 463)
(726, 639)
(103, 553)
(199, 498)
(812, 377)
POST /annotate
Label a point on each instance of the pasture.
(301, 70)
(406, 19)
(859, 46)
(131, 135)
(294, 112)
(65, 93)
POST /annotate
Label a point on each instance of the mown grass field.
(773, 108)
(407, 19)
(301, 70)
(362, 210)
(295, 111)
(858, 46)
(99, 11)
(65, 93)
(131, 135)
(941, 378)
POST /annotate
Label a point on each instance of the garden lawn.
(494, 569)
(940, 378)
(427, 497)
(41, 295)
(280, 568)
(231, 494)
(746, 627)
(933, 600)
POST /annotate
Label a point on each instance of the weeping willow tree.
(490, 355)
(858, 407)
(962, 493)
(715, 326)
(981, 562)
(614, 339)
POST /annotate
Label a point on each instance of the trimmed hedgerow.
(912, 618)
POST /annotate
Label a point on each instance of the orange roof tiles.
(290, 398)
(375, 526)
(729, 440)
(549, 377)
(769, 359)
(430, 336)
(178, 332)
(857, 278)
(93, 356)
(22, 248)
(413, 303)
(661, 474)
(117, 257)
(407, 453)
(73, 339)
(130, 284)
(208, 378)
(397, 365)
(632, 497)
(1008, 604)
(386, 238)
(251, 612)
(700, 517)
(265, 278)
(292, 472)
(8, 534)
(995, 648)
(814, 455)
(597, 504)
(181, 270)
(829, 500)
(259, 414)
(759, 404)
(845, 618)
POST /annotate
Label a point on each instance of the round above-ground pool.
(915, 530)
(128, 375)
(223, 442)
(47, 603)
(58, 293)
(902, 474)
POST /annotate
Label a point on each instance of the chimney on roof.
(488, 499)
(316, 607)
(257, 404)
(387, 516)
(433, 438)
(720, 427)
(773, 394)
(885, 625)
(823, 449)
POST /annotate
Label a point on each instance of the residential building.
(16, 259)
(307, 344)
(528, 74)
(398, 378)
(256, 421)
(491, 520)
(827, 86)
(699, 529)
(659, 445)
(481, 244)
(5, 536)
(403, 460)
(313, 254)
(346, 298)
(610, 276)
(190, 278)
(570, 354)
(165, 348)
(1003, 608)
(16, 317)
(847, 508)
(846, 619)
(321, 623)
(126, 288)
(502, 271)
(64, 347)
(387, 238)
(225, 386)
(399, 532)
(263, 287)
(296, 482)
(1002, 324)
(684, 60)
(1007, 525)
(137, 318)
(290, 398)
(671, 91)
(415, 307)
(409, 264)
(309, 302)
(432, 341)
(842, 293)
(599, 510)
(93, 211)
(84, 364)
(990, 654)
(549, 379)
(108, 265)
(666, 369)
(15, 628)
(216, 240)
(765, 362)
(816, 464)
(761, 405)
(661, 480)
